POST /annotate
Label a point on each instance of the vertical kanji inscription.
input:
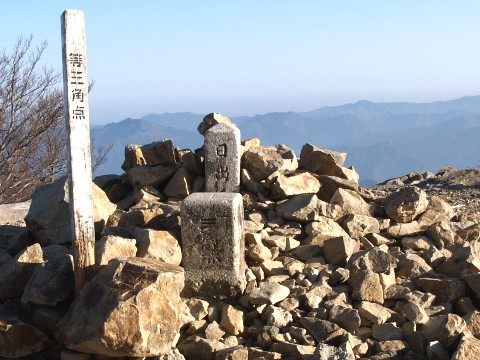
(222, 158)
(212, 245)
(75, 85)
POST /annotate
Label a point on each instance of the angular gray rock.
(16, 272)
(51, 283)
(49, 213)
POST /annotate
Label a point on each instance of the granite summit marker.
(222, 158)
(213, 245)
(75, 86)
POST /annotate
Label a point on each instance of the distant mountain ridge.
(382, 140)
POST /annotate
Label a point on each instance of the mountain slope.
(383, 140)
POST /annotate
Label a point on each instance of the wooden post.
(75, 84)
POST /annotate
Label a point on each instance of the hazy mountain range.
(382, 140)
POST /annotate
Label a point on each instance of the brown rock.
(321, 161)
(180, 185)
(375, 260)
(444, 328)
(46, 319)
(251, 184)
(406, 204)
(142, 176)
(327, 352)
(465, 259)
(415, 312)
(143, 198)
(158, 245)
(323, 331)
(254, 353)
(262, 161)
(446, 290)
(330, 184)
(234, 353)
(268, 293)
(213, 331)
(156, 153)
(373, 312)
(102, 208)
(388, 331)
(391, 347)
(293, 350)
(232, 320)
(16, 272)
(467, 347)
(300, 183)
(472, 321)
(259, 253)
(110, 246)
(412, 266)
(405, 229)
(338, 250)
(140, 294)
(198, 308)
(49, 213)
(211, 120)
(18, 339)
(196, 347)
(299, 208)
(366, 286)
(360, 225)
(324, 228)
(346, 317)
(438, 210)
(351, 202)
(473, 281)
(314, 296)
(443, 235)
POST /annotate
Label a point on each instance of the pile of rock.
(334, 271)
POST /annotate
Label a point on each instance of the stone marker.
(222, 158)
(75, 84)
(213, 245)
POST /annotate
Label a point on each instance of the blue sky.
(250, 56)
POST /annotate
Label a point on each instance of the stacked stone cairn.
(282, 258)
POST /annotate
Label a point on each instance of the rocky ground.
(460, 188)
(334, 271)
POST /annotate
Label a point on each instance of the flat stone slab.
(213, 245)
(13, 213)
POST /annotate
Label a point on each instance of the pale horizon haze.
(253, 57)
